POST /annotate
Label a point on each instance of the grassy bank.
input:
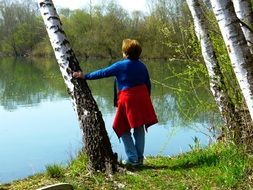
(219, 166)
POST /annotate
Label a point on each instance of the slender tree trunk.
(241, 60)
(97, 144)
(243, 9)
(237, 48)
(217, 84)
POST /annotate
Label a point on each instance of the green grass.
(220, 166)
(55, 171)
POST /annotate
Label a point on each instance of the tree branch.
(246, 26)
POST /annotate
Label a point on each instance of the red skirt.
(134, 110)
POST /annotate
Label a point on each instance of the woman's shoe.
(130, 163)
(140, 161)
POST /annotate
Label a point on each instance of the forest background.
(165, 31)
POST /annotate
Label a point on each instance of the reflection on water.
(39, 127)
(26, 83)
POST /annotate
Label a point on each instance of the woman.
(135, 110)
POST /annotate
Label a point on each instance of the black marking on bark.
(62, 66)
(65, 63)
(59, 30)
(72, 80)
(72, 63)
(42, 4)
(46, 13)
(64, 42)
(69, 52)
(69, 92)
(54, 26)
(57, 49)
(63, 57)
(53, 17)
(65, 77)
(69, 71)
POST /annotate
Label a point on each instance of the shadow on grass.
(180, 163)
(145, 167)
(203, 160)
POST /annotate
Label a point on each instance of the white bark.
(213, 67)
(58, 41)
(244, 12)
(237, 48)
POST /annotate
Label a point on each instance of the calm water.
(39, 127)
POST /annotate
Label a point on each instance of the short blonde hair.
(131, 48)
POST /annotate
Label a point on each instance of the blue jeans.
(134, 149)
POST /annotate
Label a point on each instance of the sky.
(130, 5)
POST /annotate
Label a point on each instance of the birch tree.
(243, 9)
(237, 48)
(217, 84)
(96, 141)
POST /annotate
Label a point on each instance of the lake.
(39, 127)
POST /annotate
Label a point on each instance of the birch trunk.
(217, 85)
(243, 9)
(237, 48)
(96, 141)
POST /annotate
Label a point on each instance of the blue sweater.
(128, 73)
